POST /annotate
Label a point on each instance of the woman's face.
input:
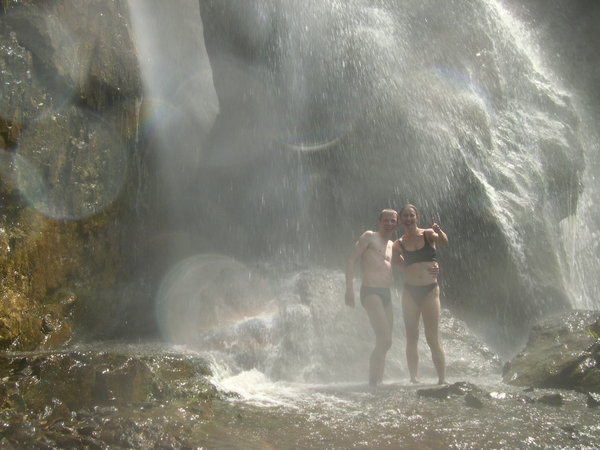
(408, 217)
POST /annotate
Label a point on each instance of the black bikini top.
(424, 254)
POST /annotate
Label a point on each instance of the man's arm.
(397, 258)
(359, 247)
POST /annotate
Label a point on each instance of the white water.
(348, 415)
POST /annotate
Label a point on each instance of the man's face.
(388, 222)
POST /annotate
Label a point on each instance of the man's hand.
(350, 298)
(434, 269)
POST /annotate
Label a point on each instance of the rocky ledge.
(118, 397)
(563, 352)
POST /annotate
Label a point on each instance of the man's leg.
(389, 316)
(411, 314)
(383, 337)
(431, 322)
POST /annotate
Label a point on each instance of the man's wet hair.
(388, 211)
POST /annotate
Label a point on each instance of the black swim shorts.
(384, 294)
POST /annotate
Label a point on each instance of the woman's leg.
(378, 316)
(431, 322)
(411, 314)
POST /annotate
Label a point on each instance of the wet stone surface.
(124, 397)
(563, 351)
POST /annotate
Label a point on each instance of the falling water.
(327, 112)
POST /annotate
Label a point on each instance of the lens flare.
(314, 138)
(209, 292)
(67, 176)
(311, 146)
(157, 118)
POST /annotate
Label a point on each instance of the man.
(374, 250)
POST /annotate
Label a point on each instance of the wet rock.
(54, 384)
(463, 387)
(86, 430)
(592, 400)
(19, 326)
(551, 399)
(569, 428)
(473, 401)
(6, 445)
(68, 120)
(441, 392)
(525, 399)
(88, 399)
(470, 391)
(560, 353)
(82, 46)
(459, 340)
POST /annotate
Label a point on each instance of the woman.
(415, 252)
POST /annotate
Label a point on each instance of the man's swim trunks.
(418, 293)
(384, 294)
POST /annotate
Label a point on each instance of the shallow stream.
(295, 376)
(284, 415)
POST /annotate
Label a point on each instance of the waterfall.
(175, 123)
(329, 111)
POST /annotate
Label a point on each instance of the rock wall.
(70, 169)
(330, 114)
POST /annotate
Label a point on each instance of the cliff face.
(77, 182)
(571, 37)
(69, 171)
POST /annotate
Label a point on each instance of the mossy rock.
(90, 378)
(561, 353)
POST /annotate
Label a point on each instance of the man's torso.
(376, 262)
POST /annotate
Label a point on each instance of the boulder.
(58, 382)
(106, 396)
(563, 351)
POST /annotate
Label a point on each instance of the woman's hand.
(439, 236)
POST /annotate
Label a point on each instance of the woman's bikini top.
(424, 254)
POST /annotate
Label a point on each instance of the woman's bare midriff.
(418, 273)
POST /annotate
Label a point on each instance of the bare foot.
(414, 381)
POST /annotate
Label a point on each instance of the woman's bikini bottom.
(418, 292)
